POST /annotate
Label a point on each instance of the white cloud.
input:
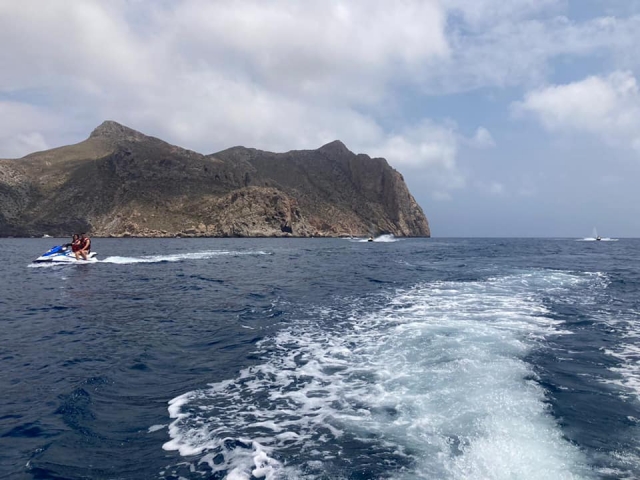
(337, 49)
(482, 139)
(84, 45)
(528, 189)
(426, 151)
(502, 44)
(492, 188)
(479, 14)
(441, 196)
(424, 144)
(23, 128)
(607, 107)
(310, 40)
(527, 192)
(16, 146)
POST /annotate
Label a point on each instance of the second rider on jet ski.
(80, 246)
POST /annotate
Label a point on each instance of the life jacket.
(75, 246)
(85, 244)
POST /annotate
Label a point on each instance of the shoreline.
(211, 236)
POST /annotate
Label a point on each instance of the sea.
(425, 358)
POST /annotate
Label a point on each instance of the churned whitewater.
(323, 359)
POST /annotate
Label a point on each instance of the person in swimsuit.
(75, 243)
(84, 247)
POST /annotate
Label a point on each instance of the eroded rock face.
(120, 182)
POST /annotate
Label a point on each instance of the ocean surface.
(322, 359)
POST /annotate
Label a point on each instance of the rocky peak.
(336, 148)
(111, 130)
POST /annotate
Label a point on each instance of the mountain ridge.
(121, 182)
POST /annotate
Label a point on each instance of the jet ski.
(63, 254)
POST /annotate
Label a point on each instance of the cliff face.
(121, 182)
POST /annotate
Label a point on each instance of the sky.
(506, 117)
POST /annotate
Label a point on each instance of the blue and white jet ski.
(63, 254)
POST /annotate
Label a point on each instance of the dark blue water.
(322, 358)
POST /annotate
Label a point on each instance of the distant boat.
(598, 238)
(46, 236)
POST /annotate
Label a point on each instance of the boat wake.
(387, 238)
(177, 257)
(432, 383)
(592, 239)
(597, 238)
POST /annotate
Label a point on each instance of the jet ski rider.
(83, 247)
(75, 243)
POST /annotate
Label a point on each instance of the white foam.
(591, 239)
(387, 238)
(628, 353)
(626, 325)
(44, 265)
(434, 380)
(178, 257)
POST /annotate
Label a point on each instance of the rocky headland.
(120, 182)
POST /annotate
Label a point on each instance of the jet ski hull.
(62, 255)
